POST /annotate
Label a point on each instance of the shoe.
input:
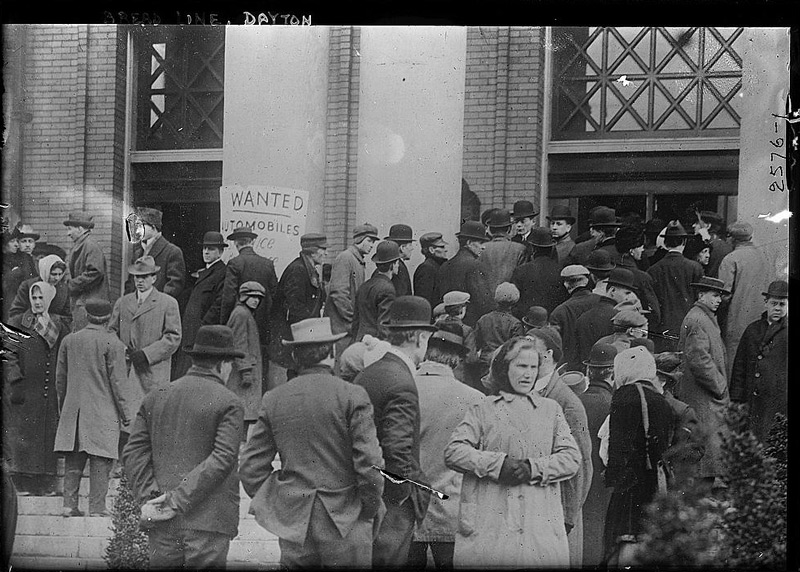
(67, 512)
(102, 513)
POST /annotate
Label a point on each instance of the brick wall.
(503, 114)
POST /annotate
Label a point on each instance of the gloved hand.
(246, 378)
(522, 471)
(139, 361)
(17, 394)
(507, 476)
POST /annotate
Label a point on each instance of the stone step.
(57, 563)
(76, 547)
(44, 525)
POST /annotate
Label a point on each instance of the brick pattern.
(342, 136)
(503, 113)
(73, 157)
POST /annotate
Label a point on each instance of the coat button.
(758, 374)
(760, 356)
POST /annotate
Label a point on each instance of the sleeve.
(658, 289)
(425, 283)
(230, 289)
(366, 448)
(560, 465)
(651, 300)
(116, 370)
(575, 414)
(61, 373)
(464, 455)
(93, 271)
(113, 321)
(738, 385)
(21, 301)
(727, 273)
(238, 323)
(397, 427)
(384, 303)
(293, 294)
(214, 469)
(255, 465)
(137, 458)
(602, 434)
(698, 360)
(340, 294)
(170, 339)
(211, 317)
(175, 272)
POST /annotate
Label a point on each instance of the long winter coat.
(94, 392)
(580, 253)
(672, 276)
(171, 277)
(644, 288)
(761, 372)
(564, 248)
(373, 300)
(719, 249)
(704, 386)
(593, 325)
(426, 280)
(539, 284)
(565, 317)
(495, 265)
(245, 337)
(59, 305)
(519, 526)
(348, 273)
(155, 328)
(452, 274)
(88, 277)
(401, 280)
(18, 267)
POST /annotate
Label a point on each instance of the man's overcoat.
(203, 306)
(426, 280)
(88, 277)
(245, 337)
(373, 300)
(171, 276)
(348, 273)
(672, 276)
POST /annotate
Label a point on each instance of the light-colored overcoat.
(348, 273)
(246, 339)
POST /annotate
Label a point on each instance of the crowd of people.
(517, 404)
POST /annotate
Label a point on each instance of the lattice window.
(180, 87)
(615, 82)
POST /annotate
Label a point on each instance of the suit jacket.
(87, 267)
(348, 273)
(373, 300)
(322, 427)
(242, 268)
(644, 287)
(539, 284)
(393, 393)
(245, 336)
(185, 442)
(671, 278)
(155, 328)
(300, 292)
(518, 238)
(401, 280)
(203, 306)
(426, 284)
(565, 317)
(171, 277)
(452, 275)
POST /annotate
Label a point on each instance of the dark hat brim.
(628, 286)
(325, 340)
(83, 223)
(516, 217)
(211, 351)
(235, 235)
(599, 268)
(398, 240)
(569, 219)
(410, 326)
(388, 260)
(531, 324)
(701, 286)
(540, 245)
(590, 364)
(617, 223)
(217, 244)
(32, 235)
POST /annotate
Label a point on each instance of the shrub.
(127, 549)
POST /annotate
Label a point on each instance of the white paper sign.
(277, 215)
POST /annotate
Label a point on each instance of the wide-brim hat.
(523, 209)
(410, 312)
(604, 216)
(708, 283)
(560, 212)
(601, 355)
(144, 266)
(79, 218)
(312, 331)
(400, 233)
(474, 230)
(214, 341)
(26, 231)
(622, 277)
(541, 237)
(777, 289)
(213, 238)
(242, 232)
(387, 251)
(500, 218)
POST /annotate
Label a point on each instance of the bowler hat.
(387, 251)
(561, 212)
(364, 230)
(400, 233)
(600, 260)
(622, 277)
(313, 239)
(603, 216)
(536, 317)
(312, 331)
(500, 218)
(26, 231)
(675, 229)
(143, 266)
(777, 289)
(628, 237)
(472, 229)
(98, 308)
(252, 288)
(150, 216)
(214, 238)
(214, 341)
(431, 239)
(523, 209)
(708, 283)
(242, 232)
(601, 355)
(455, 298)
(629, 319)
(79, 218)
(410, 312)
(541, 237)
(741, 231)
(574, 270)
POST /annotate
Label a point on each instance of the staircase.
(47, 541)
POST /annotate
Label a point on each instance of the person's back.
(494, 329)
(539, 284)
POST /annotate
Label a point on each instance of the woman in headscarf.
(514, 448)
(31, 413)
(628, 470)
(51, 270)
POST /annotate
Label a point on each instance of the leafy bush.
(127, 549)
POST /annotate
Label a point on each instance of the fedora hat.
(242, 232)
(26, 231)
(214, 341)
(143, 266)
(500, 218)
(314, 239)
(364, 230)
(536, 317)
(708, 283)
(312, 331)
(214, 238)
(79, 218)
(622, 277)
(560, 212)
(150, 216)
(387, 251)
(541, 237)
(473, 230)
(400, 233)
(603, 216)
(523, 209)
(777, 289)
(601, 355)
(599, 260)
(675, 229)
(410, 312)
(252, 288)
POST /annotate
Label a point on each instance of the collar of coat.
(311, 270)
(81, 239)
(400, 354)
(531, 396)
(707, 310)
(357, 253)
(198, 371)
(600, 385)
(772, 327)
(434, 368)
(502, 238)
(316, 369)
(467, 251)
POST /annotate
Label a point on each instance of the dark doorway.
(622, 204)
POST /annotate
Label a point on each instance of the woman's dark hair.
(59, 264)
(309, 355)
(503, 358)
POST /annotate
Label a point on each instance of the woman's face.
(37, 301)
(12, 246)
(56, 274)
(523, 371)
(704, 256)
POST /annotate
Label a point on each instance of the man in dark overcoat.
(404, 237)
(524, 216)
(181, 459)
(375, 296)
(87, 265)
(560, 221)
(761, 366)
(322, 502)
(603, 224)
(539, 280)
(452, 274)
(171, 279)
(630, 245)
(203, 306)
(426, 276)
(711, 227)
(565, 316)
(243, 268)
(391, 388)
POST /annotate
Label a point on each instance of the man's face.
(75, 232)
(56, 274)
(476, 247)
(595, 232)
(37, 301)
(439, 252)
(318, 256)
(637, 252)
(777, 308)
(406, 249)
(252, 302)
(523, 225)
(704, 256)
(211, 253)
(149, 231)
(619, 293)
(144, 283)
(559, 228)
(365, 246)
(711, 298)
(26, 245)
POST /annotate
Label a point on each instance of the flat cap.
(574, 270)
(313, 239)
(364, 230)
(741, 231)
(252, 288)
(431, 239)
(629, 319)
(455, 298)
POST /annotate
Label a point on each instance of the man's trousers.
(390, 548)
(173, 548)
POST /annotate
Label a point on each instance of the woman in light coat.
(245, 378)
(514, 448)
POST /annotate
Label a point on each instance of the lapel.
(150, 303)
(204, 273)
(771, 331)
(158, 246)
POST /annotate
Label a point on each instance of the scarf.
(46, 264)
(44, 325)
